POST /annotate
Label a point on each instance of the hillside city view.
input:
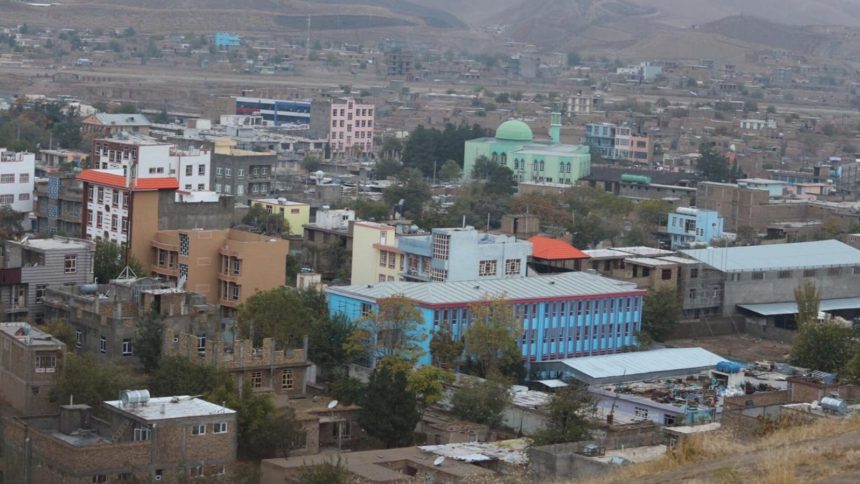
(429, 241)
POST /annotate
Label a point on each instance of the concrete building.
(755, 276)
(58, 206)
(601, 138)
(226, 266)
(564, 315)
(279, 372)
(687, 226)
(31, 266)
(105, 316)
(775, 188)
(580, 103)
(276, 112)
(17, 175)
(351, 130)
(54, 160)
(168, 439)
(328, 241)
(462, 254)
(643, 266)
(150, 158)
(104, 124)
(30, 362)
(295, 214)
(241, 173)
(514, 147)
(375, 256)
(226, 40)
(757, 124)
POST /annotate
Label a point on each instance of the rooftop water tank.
(834, 405)
(729, 367)
(134, 397)
(640, 179)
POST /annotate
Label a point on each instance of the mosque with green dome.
(531, 161)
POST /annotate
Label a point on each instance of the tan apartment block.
(30, 361)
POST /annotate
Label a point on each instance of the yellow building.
(296, 214)
(375, 256)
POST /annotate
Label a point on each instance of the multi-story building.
(327, 242)
(375, 256)
(104, 124)
(352, 125)
(226, 266)
(30, 362)
(624, 142)
(151, 159)
(562, 316)
(514, 147)
(640, 265)
(58, 205)
(276, 112)
(400, 63)
(601, 138)
(462, 254)
(241, 173)
(170, 439)
(105, 316)
(271, 369)
(17, 175)
(226, 40)
(580, 103)
(31, 266)
(58, 159)
(295, 214)
(688, 226)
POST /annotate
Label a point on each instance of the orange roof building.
(555, 255)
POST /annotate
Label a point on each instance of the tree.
(661, 313)
(327, 337)
(279, 313)
(149, 340)
(176, 375)
(110, 260)
(567, 420)
(819, 345)
(427, 383)
(491, 339)
(745, 235)
(60, 329)
(11, 222)
(498, 179)
(311, 163)
(371, 210)
(573, 59)
(482, 401)
(268, 223)
(89, 380)
(715, 167)
(389, 411)
(450, 171)
(393, 330)
(444, 349)
(387, 167)
(328, 472)
(412, 189)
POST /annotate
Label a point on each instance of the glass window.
(198, 429)
(71, 263)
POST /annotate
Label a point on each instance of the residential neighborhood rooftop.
(801, 255)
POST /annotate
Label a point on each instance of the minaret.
(555, 124)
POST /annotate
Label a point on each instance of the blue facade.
(225, 40)
(689, 225)
(276, 112)
(551, 328)
(601, 138)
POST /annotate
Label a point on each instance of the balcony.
(165, 271)
(229, 276)
(165, 246)
(230, 302)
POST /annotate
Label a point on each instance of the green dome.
(514, 130)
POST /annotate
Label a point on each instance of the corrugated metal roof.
(630, 365)
(802, 255)
(776, 309)
(114, 179)
(569, 284)
(554, 249)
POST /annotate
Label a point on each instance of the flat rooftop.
(566, 285)
(56, 243)
(802, 255)
(275, 201)
(166, 408)
(28, 335)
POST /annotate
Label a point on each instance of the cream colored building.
(296, 214)
(375, 256)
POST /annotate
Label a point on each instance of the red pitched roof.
(113, 180)
(554, 249)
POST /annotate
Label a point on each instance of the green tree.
(482, 401)
(110, 260)
(268, 223)
(393, 330)
(450, 171)
(567, 420)
(61, 329)
(371, 210)
(389, 411)
(498, 180)
(326, 340)
(661, 313)
(329, 472)
(11, 222)
(427, 383)
(444, 349)
(745, 235)
(89, 380)
(819, 345)
(176, 375)
(387, 167)
(491, 339)
(311, 163)
(279, 313)
(149, 340)
(573, 59)
(412, 189)
(348, 390)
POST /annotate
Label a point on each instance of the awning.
(784, 308)
(552, 383)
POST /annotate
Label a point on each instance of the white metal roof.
(541, 287)
(164, 408)
(630, 365)
(802, 255)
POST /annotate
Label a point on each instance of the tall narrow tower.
(555, 124)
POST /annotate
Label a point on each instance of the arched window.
(536, 165)
(541, 165)
(504, 159)
(495, 157)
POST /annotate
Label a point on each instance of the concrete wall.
(204, 215)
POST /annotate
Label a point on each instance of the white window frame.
(219, 428)
(198, 429)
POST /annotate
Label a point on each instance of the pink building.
(351, 127)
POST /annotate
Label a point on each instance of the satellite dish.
(439, 460)
(332, 404)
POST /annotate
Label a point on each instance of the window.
(189, 170)
(383, 258)
(218, 187)
(142, 434)
(102, 344)
(219, 428)
(201, 170)
(228, 172)
(79, 338)
(235, 292)
(114, 222)
(99, 479)
(666, 274)
(694, 273)
(758, 276)
(7, 199)
(99, 219)
(487, 268)
(46, 363)
(7, 178)
(127, 348)
(834, 271)
(40, 293)
(340, 430)
(23, 197)
(785, 274)
(240, 172)
(183, 244)
(188, 186)
(512, 267)
(809, 273)
(101, 195)
(124, 225)
(287, 379)
(201, 343)
(641, 412)
(201, 186)
(218, 171)
(257, 379)
(198, 429)
(693, 293)
(240, 190)
(441, 244)
(71, 264)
